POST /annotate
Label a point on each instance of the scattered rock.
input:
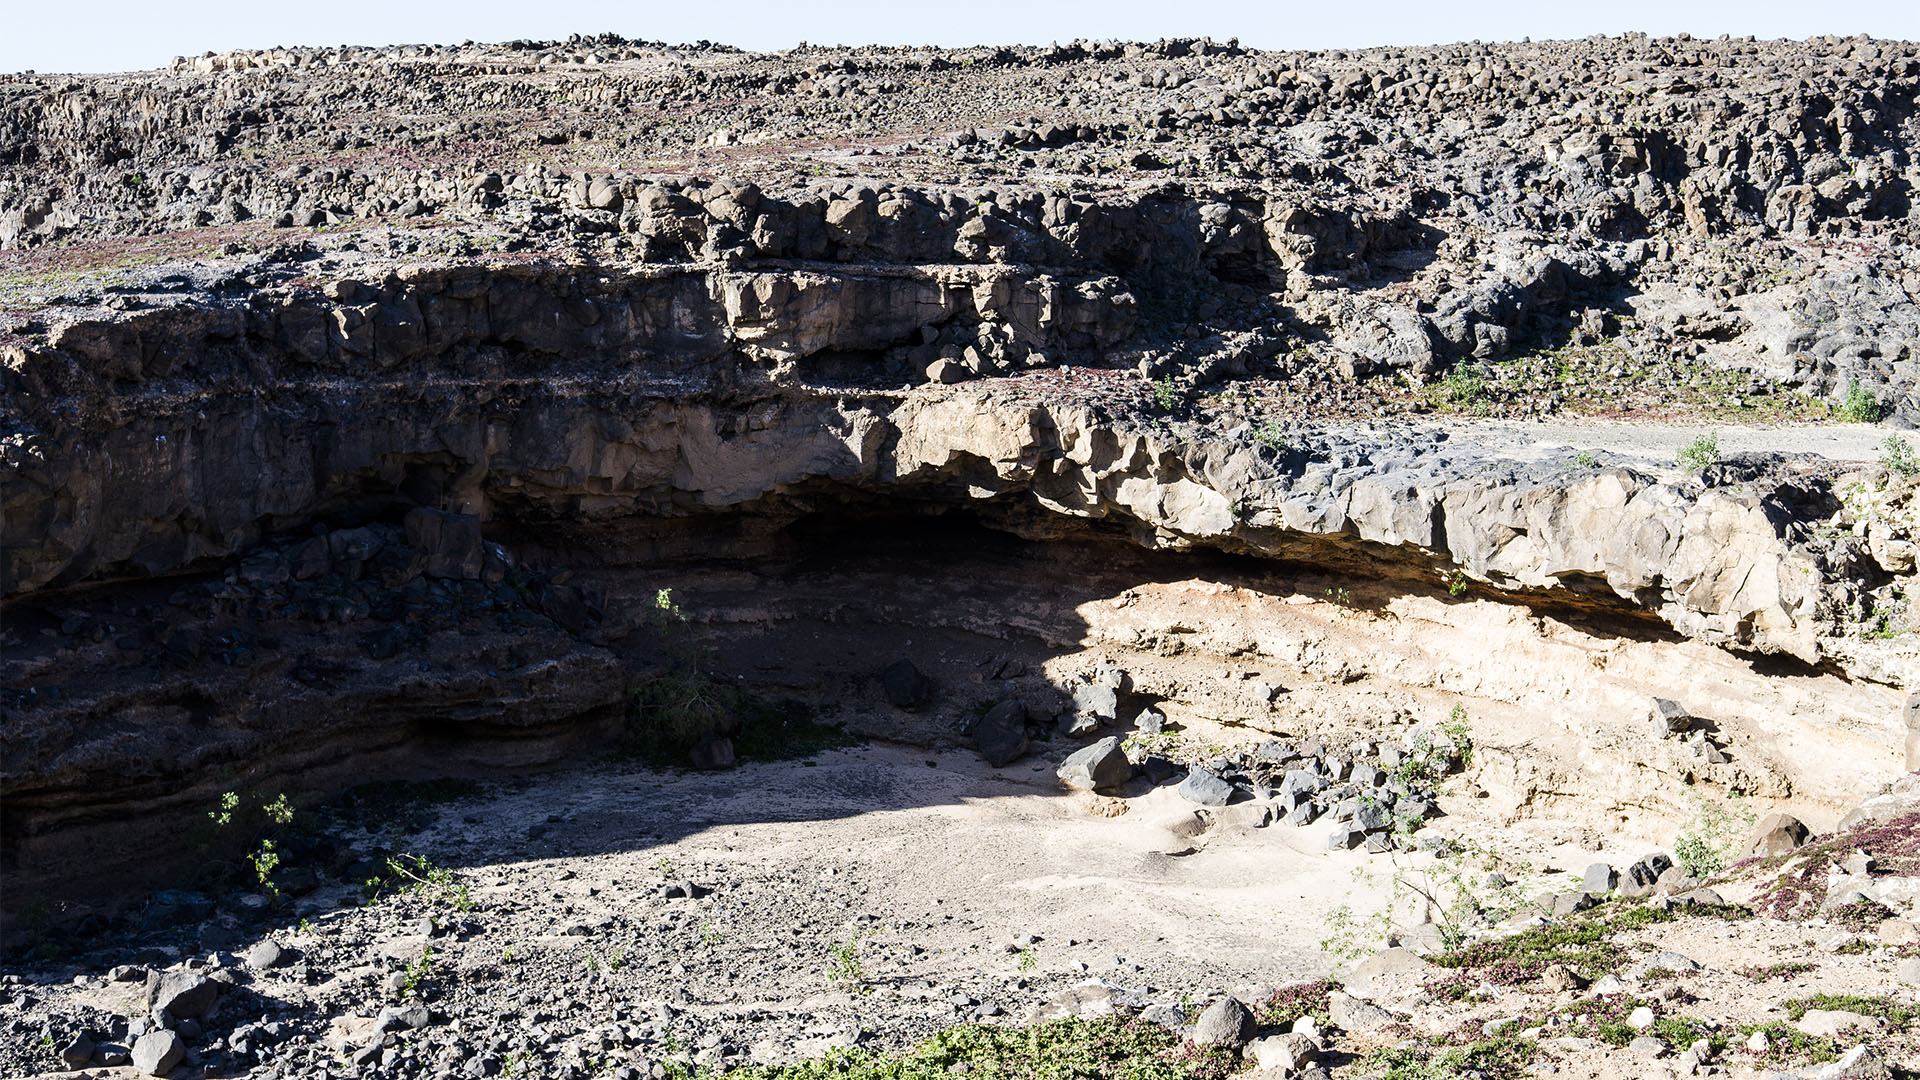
(1290, 1052)
(1098, 767)
(157, 1052)
(1205, 787)
(1827, 1023)
(1670, 718)
(1225, 1023)
(1558, 979)
(184, 995)
(906, 687)
(1385, 972)
(267, 954)
(1776, 834)
(1001, 735)
(1859, 1063)
(77, 1051)
(1599, 878)
(1096, 701)
(1353, 1015)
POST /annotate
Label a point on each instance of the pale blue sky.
(118, 35)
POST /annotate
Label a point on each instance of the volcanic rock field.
(1106, 561)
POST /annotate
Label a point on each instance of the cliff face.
(297, 453)
(539, 396)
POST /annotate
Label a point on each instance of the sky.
(129, 35)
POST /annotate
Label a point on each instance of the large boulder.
(1205, 787)
(1092, 768)
(906, 686)
(157, 1052)
(185, 995)
(1226, 1023)
(1776, 834)
(1001, 735)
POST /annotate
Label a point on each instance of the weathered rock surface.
(283, 501)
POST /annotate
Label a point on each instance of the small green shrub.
(1706, 844)
(1859, 406)
(1463, 386)
(1586, 459)
(845, 966)
(1898, 458)
(1458, 733)
(417, 875)
(418, 972)
(1785, 969)
(233, 823)
(1502, 1058)
(1165, 395)
(1270, 435)
(1701, 452)
(1289, 1003)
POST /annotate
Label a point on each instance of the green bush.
(1897, 457)
(1464, 386)
(1701, 452)
(1707, 844)
(1165, 394)
(1859, 406)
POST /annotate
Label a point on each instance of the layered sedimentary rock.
(296, 451)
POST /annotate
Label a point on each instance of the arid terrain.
(1107, 561)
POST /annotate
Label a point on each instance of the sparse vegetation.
(1501, 1058)
(1701, 452)
(1289, 1003)
(1459, 734)
(417, 875)
(684, 702)
(845, 966)
(1453, 894)
(1897, 457)
(1860, 916)
(1586, 459)
(1463, 387)
(1859, 406)
(1166, 396)
(1108, 1048)
(263, 824)
(1884, 1008)
(1141, 744)
(1799, 886)
(416, 975)
(1706, 844)
(1785, 969)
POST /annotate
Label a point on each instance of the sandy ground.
(1658, 444)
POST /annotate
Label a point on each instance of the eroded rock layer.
(317, 380)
